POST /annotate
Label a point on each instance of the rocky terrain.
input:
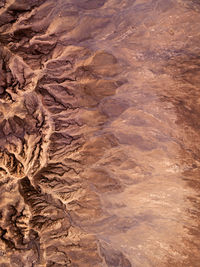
(99, 133)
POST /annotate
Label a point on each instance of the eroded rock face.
(99, 133)
(48, 86)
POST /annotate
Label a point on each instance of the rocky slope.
(99, 133)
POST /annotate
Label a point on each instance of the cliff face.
(99, 133)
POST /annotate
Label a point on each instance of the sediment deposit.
(99, 133)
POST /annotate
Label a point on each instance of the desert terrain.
(99, 133)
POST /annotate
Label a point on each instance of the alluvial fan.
(99, 133)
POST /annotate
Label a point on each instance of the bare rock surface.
(99, 133)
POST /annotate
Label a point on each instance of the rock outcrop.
(99, 133)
